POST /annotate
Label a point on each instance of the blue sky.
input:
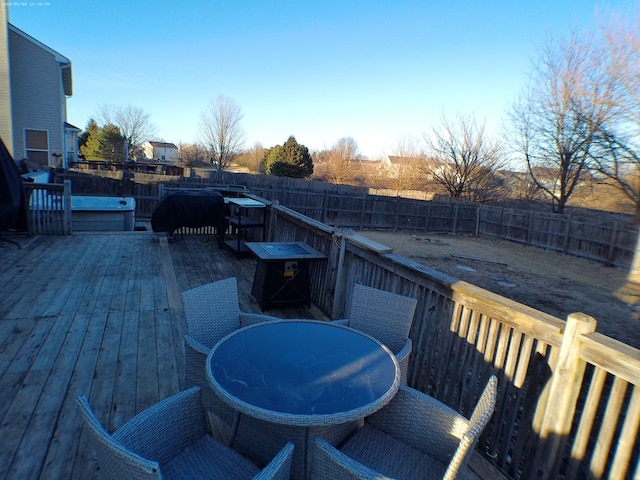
(376, 71)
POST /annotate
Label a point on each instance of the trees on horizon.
(102, 143)
(463, 159)
(133, 124)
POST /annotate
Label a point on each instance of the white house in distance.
(160, 152)
(35, 82)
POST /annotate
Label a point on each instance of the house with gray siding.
(39, 82)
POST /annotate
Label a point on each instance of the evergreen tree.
(90, 141)
(289, 160)
(112, 143)
(269, 157)
(102, 143)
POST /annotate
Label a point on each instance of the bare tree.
(407, 146)
(191, 155)
(617, 153)
(407, 164)
(340, 160)
(133, 122)
(221, 130)
(463, 159)
(251, 158)
(555, 121)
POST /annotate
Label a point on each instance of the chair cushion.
(391, 457)
(210, 459)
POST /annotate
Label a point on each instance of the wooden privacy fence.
(49, 206)
(610, 242)
(569, 398)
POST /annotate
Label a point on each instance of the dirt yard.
(548, 281)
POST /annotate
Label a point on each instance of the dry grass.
(548, 281)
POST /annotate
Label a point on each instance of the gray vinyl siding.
(6, 132)
(37, 94)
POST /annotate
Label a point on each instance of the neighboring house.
(35, 82)
(160, 152)
(397, 166)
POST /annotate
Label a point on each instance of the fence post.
(477, 229)
(323, 210)
(455, 218)
(564, 389)
(530, 228)
(611, 255)
(362, 209)
(567, 234)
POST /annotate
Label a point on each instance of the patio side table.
(282, 275)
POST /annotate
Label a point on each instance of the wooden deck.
(97, 315)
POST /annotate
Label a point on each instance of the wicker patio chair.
(212, 311)
(170, 440)
(413, 437)
(385, 316)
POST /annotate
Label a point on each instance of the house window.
(36, 143)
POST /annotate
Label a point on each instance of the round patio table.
(303, 372)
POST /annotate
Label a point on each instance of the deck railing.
(569, 398)
(49, 208)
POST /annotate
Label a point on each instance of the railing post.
(271, 228)
(338, 294)
(634, 272)
(563, 394)
(66, 195)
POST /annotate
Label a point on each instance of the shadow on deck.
(99, 315)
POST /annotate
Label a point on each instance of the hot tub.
(90, 213)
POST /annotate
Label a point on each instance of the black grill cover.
(13, 206)
(190, 209)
